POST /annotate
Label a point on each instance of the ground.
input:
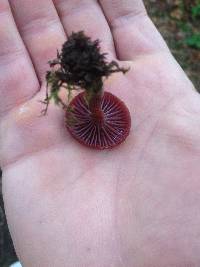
(178, 22)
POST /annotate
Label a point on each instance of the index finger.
(133, 31)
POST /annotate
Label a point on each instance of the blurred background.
(179, 23)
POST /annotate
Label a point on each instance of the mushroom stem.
(95, 107)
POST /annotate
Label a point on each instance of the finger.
(86, 15)
(18, 80)
(133, 32)
(40, 29)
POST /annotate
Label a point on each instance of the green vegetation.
(178, 22)
(193, 41)
(196, 10)
(189, 21)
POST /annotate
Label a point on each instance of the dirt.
(7, 253)
(177, 25)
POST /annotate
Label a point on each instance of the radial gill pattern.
(107, 130)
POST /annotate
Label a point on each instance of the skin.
(136, 205)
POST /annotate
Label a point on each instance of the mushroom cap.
(107, 130)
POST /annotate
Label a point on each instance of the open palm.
(137, 205)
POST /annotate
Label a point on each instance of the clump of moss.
(79, 65)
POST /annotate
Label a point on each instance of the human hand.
(134, 206)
